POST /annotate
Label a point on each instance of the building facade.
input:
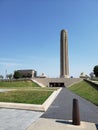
(28, 73)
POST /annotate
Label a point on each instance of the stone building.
(28, 73)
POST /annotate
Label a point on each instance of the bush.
(17, 75)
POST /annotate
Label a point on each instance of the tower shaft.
(64, 65)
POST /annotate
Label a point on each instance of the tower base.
(65, 76)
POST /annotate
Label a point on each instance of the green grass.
(24, 92)
(86, 91)
(25, 96)
(15, 84)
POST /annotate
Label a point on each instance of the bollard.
(75, 113)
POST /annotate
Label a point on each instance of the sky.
(30, 35)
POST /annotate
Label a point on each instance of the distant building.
(42, 76)
(28, 73)
(83, 75)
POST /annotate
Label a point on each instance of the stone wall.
(67, 81)
(93, 83)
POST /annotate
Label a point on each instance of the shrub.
(17, 75)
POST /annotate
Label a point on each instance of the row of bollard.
(75, 113)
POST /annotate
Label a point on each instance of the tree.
(17, 75)
(92, 75)
(96, 70)
(1, 76)
(9, 76)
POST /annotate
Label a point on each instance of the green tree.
(96, 70)
(1, 76)
(17, 75)
(9, 76)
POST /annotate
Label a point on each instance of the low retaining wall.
(67, 81)
(94, 84)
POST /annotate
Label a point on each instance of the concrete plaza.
(58, 116)
(12, 119)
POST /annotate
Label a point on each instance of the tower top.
(64, 34)
(63, 30)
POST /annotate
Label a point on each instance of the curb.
(52, 97)
(32, 107)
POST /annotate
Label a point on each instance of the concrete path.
(55, 124)
(61, 108)
(59, 114)
(6, 90)
(12, 119)
(57, 117)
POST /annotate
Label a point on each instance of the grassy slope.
(25, 92)
(17, 84)
(25, 96)
(86, 91)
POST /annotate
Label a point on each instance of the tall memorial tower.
(64, 64)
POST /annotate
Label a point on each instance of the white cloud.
(10, 62)
(10, 59)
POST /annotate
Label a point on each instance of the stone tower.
(64, 65)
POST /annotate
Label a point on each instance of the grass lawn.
(24, 92)
(19, 84)
(25, 96)
(86, 91)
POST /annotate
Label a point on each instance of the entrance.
(56, 84)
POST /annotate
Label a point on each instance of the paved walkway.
(57, 117)
(61, 108)
(54, 124)
(6, 90)
(12, 119)
(59, 114)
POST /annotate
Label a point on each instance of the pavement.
(6, 90)
(13, 119)
(57, 124)
(57, 117)
(61, 108)
(59, 114)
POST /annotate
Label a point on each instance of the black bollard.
(75, 113)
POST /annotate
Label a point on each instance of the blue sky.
(30, 35)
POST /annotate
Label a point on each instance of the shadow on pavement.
(64, 122)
